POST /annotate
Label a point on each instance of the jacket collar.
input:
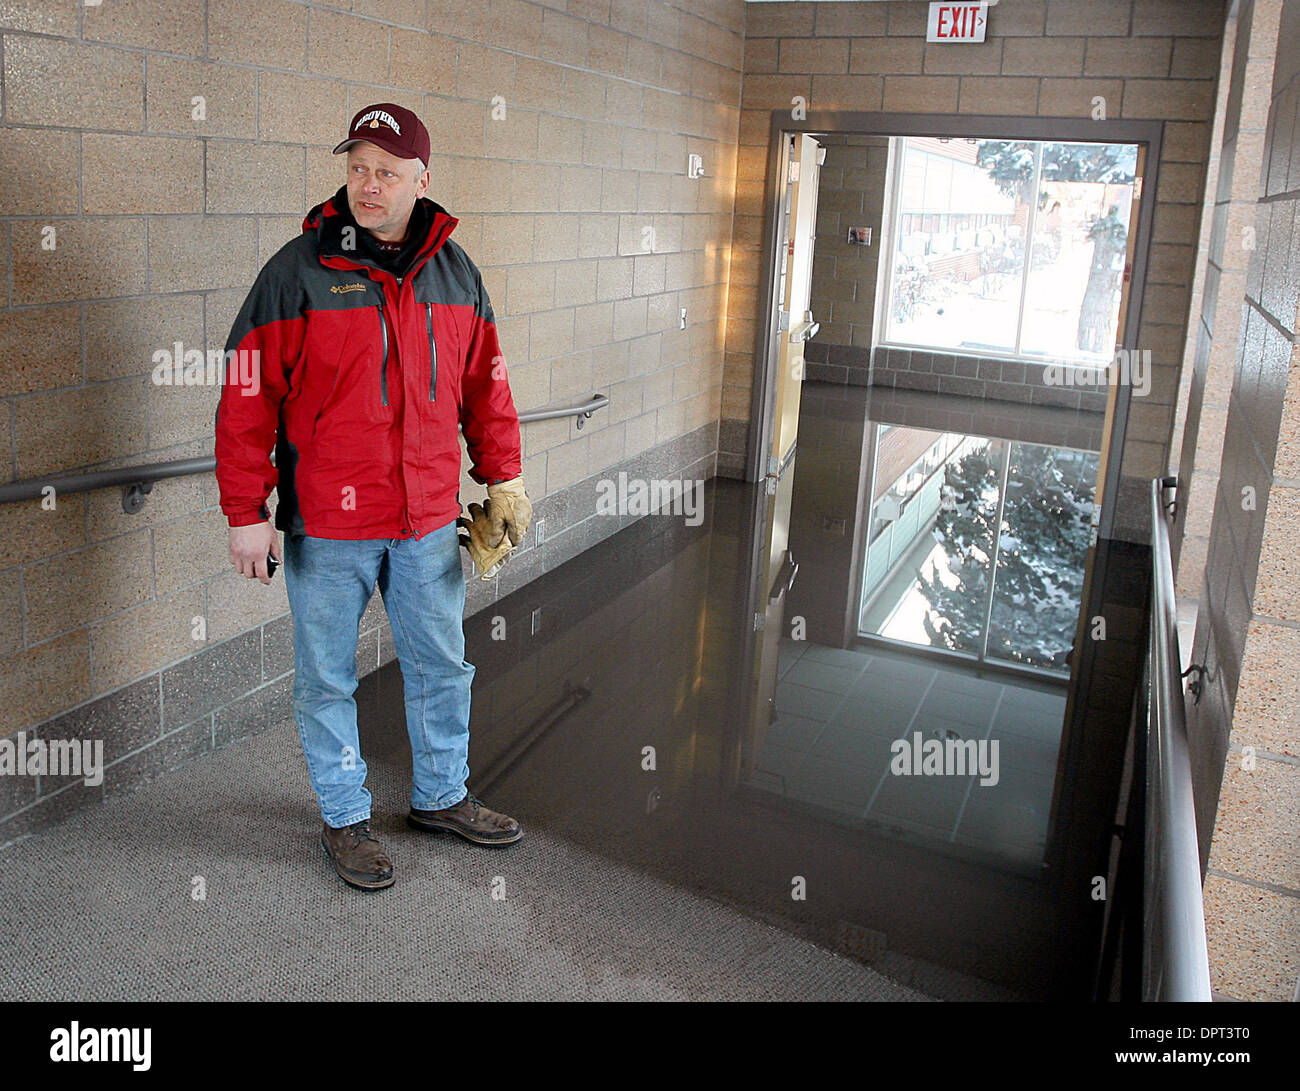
(329, 218)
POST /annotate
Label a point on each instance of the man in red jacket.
(366, 345)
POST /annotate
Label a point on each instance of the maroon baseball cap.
(393, 128)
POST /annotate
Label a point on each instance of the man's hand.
(488, 559)
(249, 546)
(509, 511)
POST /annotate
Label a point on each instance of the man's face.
(382, 190)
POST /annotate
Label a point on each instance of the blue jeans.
(329, 582)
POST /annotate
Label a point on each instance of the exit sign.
(957, 22)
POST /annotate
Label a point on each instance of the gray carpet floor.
(102, 908)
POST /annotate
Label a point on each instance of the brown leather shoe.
(357, 855)
(471, 819)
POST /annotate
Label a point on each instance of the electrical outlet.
(539, 531)
(536, 622)
(682, 325)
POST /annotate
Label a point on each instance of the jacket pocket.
(383, 366)
(433, 353)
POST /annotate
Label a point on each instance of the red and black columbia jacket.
(361, 382)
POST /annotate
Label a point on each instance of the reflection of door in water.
(803, 162)
(977, 546)
(768, 593)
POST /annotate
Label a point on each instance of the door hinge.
(760, 622)
(783, 321)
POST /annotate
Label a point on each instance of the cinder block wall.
(851, 193)
(1149, 59)
(1245, 731)
(171, 149)
(1232, 240)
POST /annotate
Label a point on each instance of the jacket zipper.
(383, 368)
(433, 352)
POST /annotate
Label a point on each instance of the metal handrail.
(1175, 955)
(139, 479)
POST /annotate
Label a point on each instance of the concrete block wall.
(986, 377)
(1232, 239)
(1244, 733)
(851, 193)
(1148, 59)
(169, 150)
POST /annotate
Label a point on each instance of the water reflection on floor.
(631, 702)
(842, 714)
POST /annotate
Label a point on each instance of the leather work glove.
(488, 559)
(509, 511)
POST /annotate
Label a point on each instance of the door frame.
(878, 123)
